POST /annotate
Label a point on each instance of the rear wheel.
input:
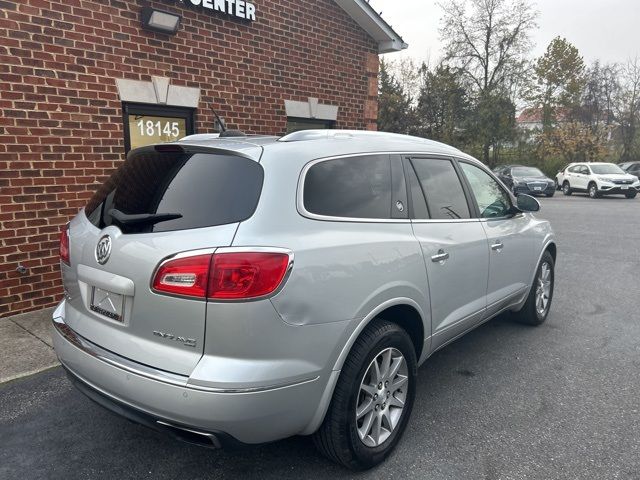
(566, 188)
(593, 191)
(372, 400)
(536, 308)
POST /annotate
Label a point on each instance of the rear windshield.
(177, 191)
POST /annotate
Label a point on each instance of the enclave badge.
(103, 250)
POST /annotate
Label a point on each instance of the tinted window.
(492, 200)
(575, 169)
(418, 202)
(442, 187)
(205, 189)
(357, 187)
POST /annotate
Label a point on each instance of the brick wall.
(61, 118)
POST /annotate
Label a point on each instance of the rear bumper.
(165, 402)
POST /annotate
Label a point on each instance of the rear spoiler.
(249, 151)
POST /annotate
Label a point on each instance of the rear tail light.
(184, 276)
(231, 275)
(65, 256)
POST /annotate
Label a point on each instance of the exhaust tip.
(194, 437)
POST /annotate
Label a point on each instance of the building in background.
(81, 83)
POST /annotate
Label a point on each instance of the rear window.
(191, 190)
(358, 187)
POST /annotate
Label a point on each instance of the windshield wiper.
(143, 218)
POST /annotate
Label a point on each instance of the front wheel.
(372, 400)
(593, 191)
(631, 194)
(536, 308)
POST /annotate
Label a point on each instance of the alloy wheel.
(382, 397)
(543, 289)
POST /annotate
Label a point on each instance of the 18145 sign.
(235, 8)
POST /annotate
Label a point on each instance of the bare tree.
(628, 108)
(488, 41)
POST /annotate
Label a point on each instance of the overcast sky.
(608, 30)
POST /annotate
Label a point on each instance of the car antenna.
(222, 127)
(223, 130)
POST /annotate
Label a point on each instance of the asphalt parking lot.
(561, 401)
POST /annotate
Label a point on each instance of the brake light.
(65, 256)
(184, 276)
(246, 275)
(223, 275)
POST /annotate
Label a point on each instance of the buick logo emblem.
(103, 250)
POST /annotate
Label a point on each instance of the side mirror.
(526, 203)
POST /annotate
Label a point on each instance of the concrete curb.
(26, 347)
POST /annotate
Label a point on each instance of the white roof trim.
(372, 23)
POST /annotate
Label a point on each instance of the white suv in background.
(598, 179)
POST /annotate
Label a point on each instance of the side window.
(575, 169)
(492, 200)
(442, 187)
(585, 170)
(418, 202)
(356, 187)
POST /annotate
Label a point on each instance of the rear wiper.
(143, 218)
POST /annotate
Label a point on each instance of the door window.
(356, 187)
(492, 200)
(441, 186)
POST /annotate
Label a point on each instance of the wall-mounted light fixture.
(159, 21)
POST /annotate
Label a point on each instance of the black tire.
(338, 438)
(566, 188)
(631, 195)
(550, 194)
(529, 313)
(593, 191)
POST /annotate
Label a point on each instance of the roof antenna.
(223, 130)
(219, 120)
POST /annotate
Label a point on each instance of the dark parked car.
(632, 168)
(527, 180)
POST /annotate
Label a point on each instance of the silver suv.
(247, 289)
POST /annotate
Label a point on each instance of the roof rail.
(304, 135)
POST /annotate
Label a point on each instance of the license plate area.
(625, 187)
(107, 304)
(537, 189)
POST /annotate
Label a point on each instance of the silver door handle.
(440, 257)
(496, 247)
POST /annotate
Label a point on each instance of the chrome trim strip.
(112, 359)
(145, 371)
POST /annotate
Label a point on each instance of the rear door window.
(193, 190)
(442, 187)
(354, 187)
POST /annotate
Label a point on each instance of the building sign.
(147, 130)
(234, 8)
(149, 124)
